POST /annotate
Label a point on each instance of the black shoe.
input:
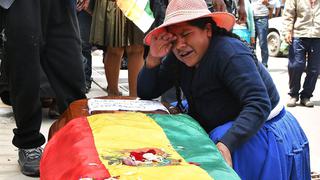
(29, 161)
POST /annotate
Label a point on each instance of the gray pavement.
(307, 117)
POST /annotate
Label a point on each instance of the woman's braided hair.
(217, 31)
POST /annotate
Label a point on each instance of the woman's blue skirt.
(279, 151)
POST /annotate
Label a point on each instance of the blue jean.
(85, 24)
(261, 25)
(301, 51)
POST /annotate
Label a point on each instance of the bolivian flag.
(138, 11)
(133, 146)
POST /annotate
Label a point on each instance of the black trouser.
(41, 33)
(84, 19)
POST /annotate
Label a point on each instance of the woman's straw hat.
(185, 10)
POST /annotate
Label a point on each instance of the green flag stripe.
(148, 10)
(194, 145)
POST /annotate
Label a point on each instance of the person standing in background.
(301, 22)
(117, 34)
(277, 8)
(250, 22)
(40, 33)
(261, 17)
(84, 14)
(246, 31)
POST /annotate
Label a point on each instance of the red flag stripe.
(80, 162)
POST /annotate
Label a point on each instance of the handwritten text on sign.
(124, 105)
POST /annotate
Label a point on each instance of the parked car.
(276, 45)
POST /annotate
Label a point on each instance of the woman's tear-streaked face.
(191, 43)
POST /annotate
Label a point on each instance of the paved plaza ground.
(308, 117)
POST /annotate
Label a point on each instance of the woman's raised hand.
(161, 45)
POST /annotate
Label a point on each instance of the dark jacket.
(227, 86)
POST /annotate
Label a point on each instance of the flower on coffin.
(146, 157)
(143, 157)
(139, 157)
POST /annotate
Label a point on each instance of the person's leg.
(112, 61)
(261, 26)
(296, 66)
(313, 67)
(270, 12)
(135, 63)
(278, 12)
(62, 60)
(84, 19)
(23, 70)
(22, 53)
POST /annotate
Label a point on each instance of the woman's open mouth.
(185, 54)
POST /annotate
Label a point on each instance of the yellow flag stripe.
(118, 134)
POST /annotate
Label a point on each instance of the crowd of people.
(190, 53)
